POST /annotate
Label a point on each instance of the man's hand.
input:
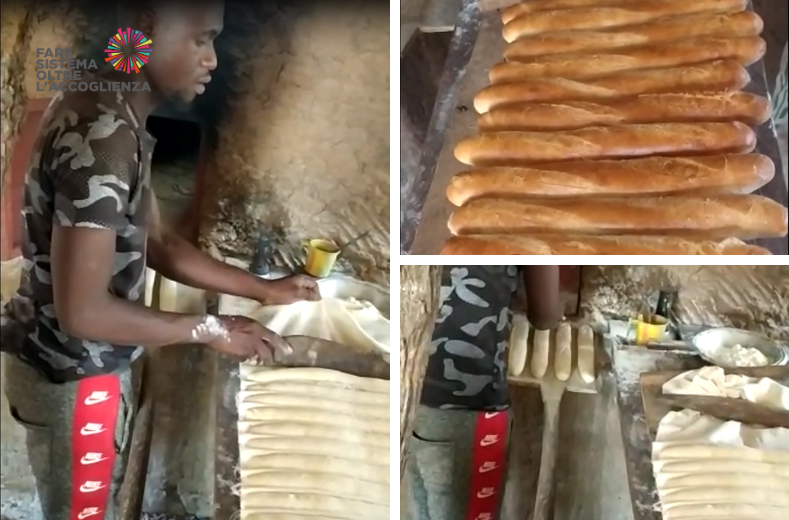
(289, 290)
(244, 338)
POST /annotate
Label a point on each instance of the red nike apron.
(488, 462)
(93, 446)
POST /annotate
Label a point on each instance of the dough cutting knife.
(730, 409)
(321, 353)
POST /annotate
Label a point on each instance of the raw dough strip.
(539, 357)
(724, 466)
(290, 401)
(672, 482)
(331, 386)
(727, 511)
(335, 393)
(754, 494)
(586, 353)
(319, 446)
(320, 376)
(563, 355)
(308, 462)
(259, 413)
(691, 451)
(519, 345)
(310, 502)
(318, 482)
(297, 429)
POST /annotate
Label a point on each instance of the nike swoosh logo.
(485, 494)
(93, 400)
(490, 415)
(84, 431)
(485, 469)
(486, 442)
(84, 515)
(87, 462)
(90, 489)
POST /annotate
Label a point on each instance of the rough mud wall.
(419, 300)
(16, 26)
(304, 146)
(754, 297)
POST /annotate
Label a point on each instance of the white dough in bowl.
(352, 322)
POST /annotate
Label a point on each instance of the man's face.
(183, 53)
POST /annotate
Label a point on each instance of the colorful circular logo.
(128, 50)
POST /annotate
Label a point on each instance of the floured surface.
(713, 381)
(349, 321)
(313, 444)
(708, 468)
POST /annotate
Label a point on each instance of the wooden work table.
(629, 364)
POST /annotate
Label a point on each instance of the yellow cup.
(321, 257)
(650, 328)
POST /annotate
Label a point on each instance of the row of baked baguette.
(623, 139)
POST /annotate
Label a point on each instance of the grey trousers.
(439, 466)
(46, 411)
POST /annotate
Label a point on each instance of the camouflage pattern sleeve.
(95, 169)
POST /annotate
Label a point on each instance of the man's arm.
(82, 266)
(177, 259)
(91, 204)
(542, 295)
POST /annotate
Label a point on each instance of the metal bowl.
(341, 286)
(711, 342)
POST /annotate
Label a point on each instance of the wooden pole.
(419, 300)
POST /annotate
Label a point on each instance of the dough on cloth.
(252, 463)
(306, 503)
(713, 381)
(253, 400)
(253, 374)
(318, 482)
(313, 443)
(318, 446)
(325, 391)
(708, 468)
(350, 321)
(296, 429)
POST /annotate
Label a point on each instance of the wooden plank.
(432, 232)
(652, 388)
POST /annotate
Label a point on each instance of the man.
(92, 224)
(459, 447)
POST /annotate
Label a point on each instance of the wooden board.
(432, 231)
(652, 387)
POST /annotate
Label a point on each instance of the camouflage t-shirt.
(467, 367)
(90, 168)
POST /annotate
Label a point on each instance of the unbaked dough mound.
(708, 468)
(352, 322)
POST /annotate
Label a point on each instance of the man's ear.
(146, 23)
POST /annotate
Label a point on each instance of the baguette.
(735, 25)
(514, 11)
(724, 75)
(744, 51)
(605, 142)
(651, 176)
(648, 108)
(616, 16)
(726, 216)
(587, 245)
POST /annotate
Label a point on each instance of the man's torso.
(71, 125)
(466, 368)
